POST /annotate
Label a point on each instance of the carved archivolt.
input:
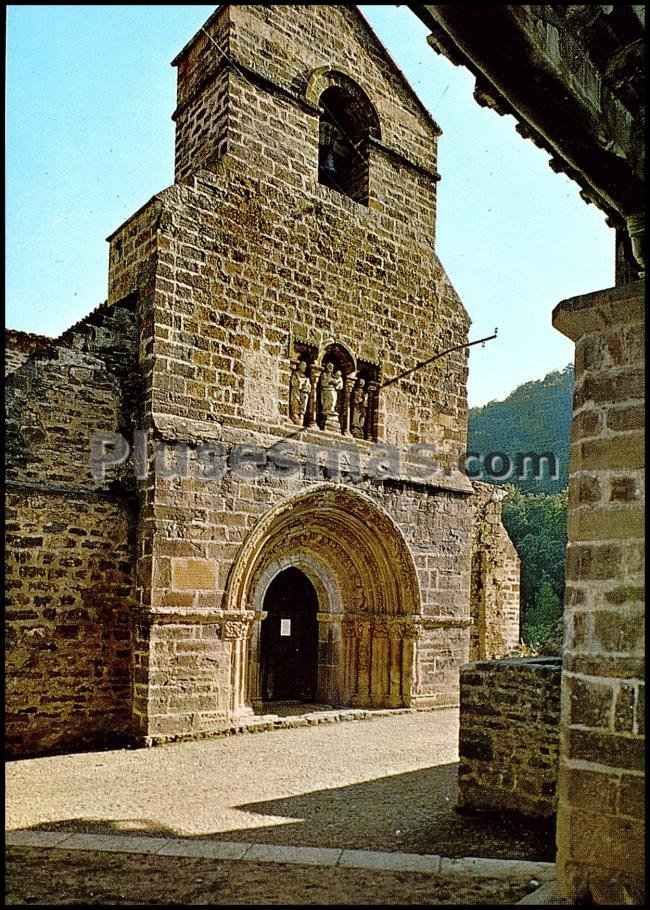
(364, 577)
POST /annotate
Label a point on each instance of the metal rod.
(424, 363)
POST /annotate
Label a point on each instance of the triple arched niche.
(366, 584)
(332, 390)
(348, 120)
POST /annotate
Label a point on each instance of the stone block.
(193, 574)
(205, 849)
(390, 862)
(310, 856)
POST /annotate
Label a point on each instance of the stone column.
(379, 685)
(254, 665)
(329, 652)
(312, 407)
(410, 633)
(361, 697)
(350, 658)
(600, 831)
(394, 666)
(237, 632)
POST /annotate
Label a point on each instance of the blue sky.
(90, 94)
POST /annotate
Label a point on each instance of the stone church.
(233, 484)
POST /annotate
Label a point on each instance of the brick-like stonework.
(602, 780)
(70, 543)
(510, 736)
(19, 346)
(69, 583)
(495, 579)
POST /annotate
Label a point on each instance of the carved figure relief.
(299, 393)
(331, 390)
(359, 410)
(331, 384)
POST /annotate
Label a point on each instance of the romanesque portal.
(364, 582)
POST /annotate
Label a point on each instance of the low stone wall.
(509, 736)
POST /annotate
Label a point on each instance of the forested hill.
(535, 417)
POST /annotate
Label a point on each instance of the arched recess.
(368, 595)
(348, 119)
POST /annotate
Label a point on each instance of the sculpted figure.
(359, 410)
(299, 393)
(331, 384)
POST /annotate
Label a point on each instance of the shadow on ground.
(411, 812)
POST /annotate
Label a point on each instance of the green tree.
(535, 417)
(536, 524)
(543, 618)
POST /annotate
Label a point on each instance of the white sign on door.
(285, 627)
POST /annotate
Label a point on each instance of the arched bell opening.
(348, 120)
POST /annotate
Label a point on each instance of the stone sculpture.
(330, 385)
(299, 393)
(359, 409)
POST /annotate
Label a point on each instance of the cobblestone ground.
(384, 784)
(60, 877)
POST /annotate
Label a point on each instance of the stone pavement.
(475, 867)
(359, 809)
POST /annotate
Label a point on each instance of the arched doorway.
(289, 638)
(367, 592)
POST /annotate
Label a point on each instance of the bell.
(329, 167)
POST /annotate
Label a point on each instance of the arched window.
(347, 120)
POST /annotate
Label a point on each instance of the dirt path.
(60, 877)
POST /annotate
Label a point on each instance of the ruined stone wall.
(69, 578)
(21, 345)
(70, 543)
(495, 579)
(601, 789)
(509, 736)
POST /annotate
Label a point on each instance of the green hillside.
(535, 417)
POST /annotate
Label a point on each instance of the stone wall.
(69, 588)
(240, 268)
(601, 808)
(21, 345)
(509, 736)
(70, 542)
(495, 579)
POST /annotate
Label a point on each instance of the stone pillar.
(312, 407)
(254, 666)
(600, 830)
(238, 632)
(361, 698)
(329, 655)
(394, 666)
(379, 685)
(410, 632)
(350, 659)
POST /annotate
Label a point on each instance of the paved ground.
(383, 784)
(387, 784)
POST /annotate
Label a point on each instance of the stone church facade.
(274, 507)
